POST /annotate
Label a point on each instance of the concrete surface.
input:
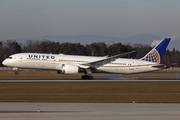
(89, 111)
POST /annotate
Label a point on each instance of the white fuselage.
(52, 61)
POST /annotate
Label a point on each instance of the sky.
(113, 18)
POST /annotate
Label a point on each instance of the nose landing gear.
(16, 71)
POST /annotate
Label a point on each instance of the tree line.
(9, 47)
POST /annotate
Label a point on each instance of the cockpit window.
(10, 57)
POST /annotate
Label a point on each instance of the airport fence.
(6, 68)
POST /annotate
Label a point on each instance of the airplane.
(72, 64)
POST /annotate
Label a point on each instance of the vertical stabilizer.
(157, 53)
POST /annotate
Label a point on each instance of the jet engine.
(67, 69)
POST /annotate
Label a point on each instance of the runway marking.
(36, 111)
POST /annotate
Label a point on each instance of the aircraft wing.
(106, 60)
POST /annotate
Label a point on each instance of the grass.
(88, 91)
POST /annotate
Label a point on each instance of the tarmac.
(89, 111)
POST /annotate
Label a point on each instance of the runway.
(120, 80)
(89, 111)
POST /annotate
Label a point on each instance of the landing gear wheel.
(88, 77)
(16, 72)
(91, 77)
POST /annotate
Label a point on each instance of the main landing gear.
(87, 75)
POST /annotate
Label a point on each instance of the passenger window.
(10, 57)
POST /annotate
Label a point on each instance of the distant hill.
(88, 39)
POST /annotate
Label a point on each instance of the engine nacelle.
(67, 69)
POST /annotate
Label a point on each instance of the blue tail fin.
(157, 53)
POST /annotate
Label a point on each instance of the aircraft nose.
(4, 62)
